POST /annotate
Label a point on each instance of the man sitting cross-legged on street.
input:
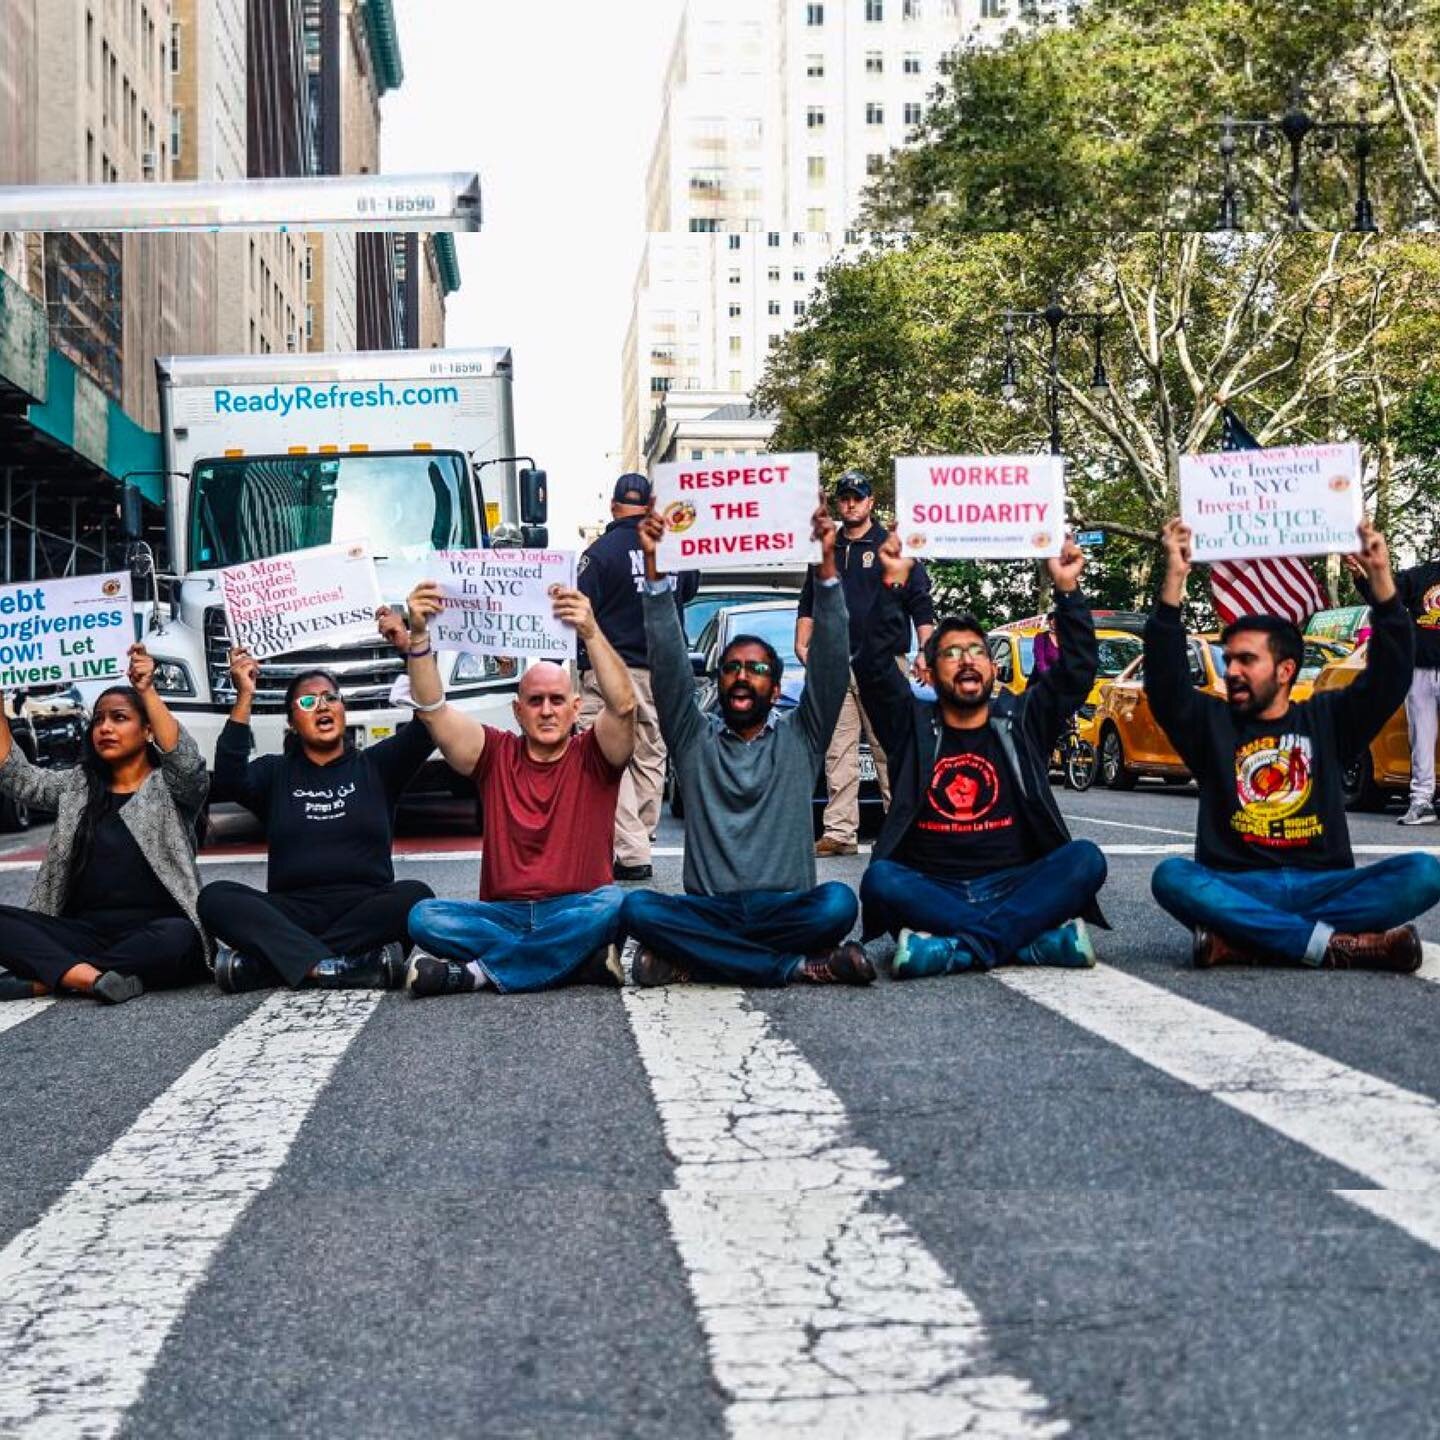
(752, 913)
(974, 866)
(547, 914)
(1273, 877)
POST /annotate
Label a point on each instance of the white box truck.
(271, 453)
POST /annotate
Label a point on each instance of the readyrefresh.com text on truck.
(267, 454)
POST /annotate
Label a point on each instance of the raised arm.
(1174, 701)
(884, 692)
(827, 671)
(1055, 694)
(615, 725)
(461, 739)
(181, 763)
(671, 677)
(236, 776)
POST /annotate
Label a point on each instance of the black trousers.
(292, 931)
(160, 950)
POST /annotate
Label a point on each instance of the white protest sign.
(326, 595)
(497, 602)
(1300, 500)
(65, 631)
(980, 507)
(748, 511)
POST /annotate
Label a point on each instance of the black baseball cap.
(852, 482)
(632, 489)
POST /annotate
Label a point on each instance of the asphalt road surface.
(1140, 1201)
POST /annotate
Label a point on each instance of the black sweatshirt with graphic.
(1419, 592)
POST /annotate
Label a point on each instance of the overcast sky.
(556, 106)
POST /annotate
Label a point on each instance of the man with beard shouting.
(1273, 878)
(974, 866)
(751, 913)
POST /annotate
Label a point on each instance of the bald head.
(546, 708)
(546, 675)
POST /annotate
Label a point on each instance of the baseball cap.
(852, 482)
(632, 489)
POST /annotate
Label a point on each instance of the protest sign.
(1300, 500)
(62, 632)
(748, 511)
(980, 507)
(327, 595)
(498, 602)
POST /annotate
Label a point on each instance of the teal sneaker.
(1068, 945)
(918, 955)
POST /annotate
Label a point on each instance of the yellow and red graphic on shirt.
(1274, 780)
(1428, 614)
(963, 791)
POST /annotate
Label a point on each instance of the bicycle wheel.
(1081, 765)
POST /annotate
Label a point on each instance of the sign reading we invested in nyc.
(498, 602)
(980, 507)
(1300, 500)
(287, 602)
(65, 631)
(744, 512)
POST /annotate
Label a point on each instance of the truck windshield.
(255, 507)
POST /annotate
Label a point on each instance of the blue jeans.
(996, 914)
(1292, 913)
(758, 938)
(521, 945)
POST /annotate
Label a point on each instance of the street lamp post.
(1056, 319)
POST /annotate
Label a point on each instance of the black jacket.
(858, 563)
(1419, 591)
(1027, 726)
(611, 575)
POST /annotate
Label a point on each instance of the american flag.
(1281, 586)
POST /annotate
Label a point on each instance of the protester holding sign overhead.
(113, 909)
(975, 867)
(1273, 878)
(752, 913)
(547, 914)
(332, 913)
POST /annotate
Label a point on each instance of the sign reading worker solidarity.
(980, 507)
(750, 511)
(1300, 500)
(65, 631)
(328, 594)
(497, 602)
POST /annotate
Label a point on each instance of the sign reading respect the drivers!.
(980, 507)
(748, 511)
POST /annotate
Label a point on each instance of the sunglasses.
(763, 668)
(315, 700)
(973, 651)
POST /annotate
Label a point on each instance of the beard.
(950, 693)
(1246, 701)
(756, 713)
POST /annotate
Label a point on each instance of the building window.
(773, 239)
(308, 264)
(992, 9)
(874, 113)
(912, 9)
(734, 277)
(815, 219)
(659, 384)
(176, 129)
(815, 169)
(734, 344)
(874, 164)
(913, 113)
(89, 157)
(90, 49)
(799, 308)
(734, 242)
(736, 380)
(774, 307)
(874, 63)
(912, 64)
(874, 11)
(799, 277)
(773, 275)
(174, 47)
(814, 14)
(815, 67)
(704, 227)
(815, 118)
(735, 312)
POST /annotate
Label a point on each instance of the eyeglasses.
(975, 650)
(763, 668)
(315, 700)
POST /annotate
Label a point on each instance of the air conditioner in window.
(292, 339)
(148, 164)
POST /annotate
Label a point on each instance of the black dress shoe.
(237, 974)
(633, 872)
(12, 987)
(368, 971)
(113, 988)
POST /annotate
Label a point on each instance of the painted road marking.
(16, 1012)
(90, 1291)
(825, 1315)
(1127, 825)
(1378, 1131)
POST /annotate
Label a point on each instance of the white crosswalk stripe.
(16, 1012)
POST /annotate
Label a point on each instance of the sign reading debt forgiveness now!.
(980, 507)
(328, 594)
(497, 602)
(1300, 500)
(748, 510)
(64, 631)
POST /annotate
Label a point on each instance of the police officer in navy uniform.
(611, 573)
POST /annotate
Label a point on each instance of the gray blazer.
(161, 817)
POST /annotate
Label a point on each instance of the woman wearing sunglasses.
(332, 913)
(113, 908)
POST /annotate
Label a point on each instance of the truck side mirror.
(534, 497)
(537, 537)
(132, 513)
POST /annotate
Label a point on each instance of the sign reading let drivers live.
(753, 511)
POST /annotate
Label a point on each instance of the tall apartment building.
(774, 115)
(19, 100)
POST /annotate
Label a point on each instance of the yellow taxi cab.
(1129, 739)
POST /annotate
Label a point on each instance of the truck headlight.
(471, 669)
(172, 677)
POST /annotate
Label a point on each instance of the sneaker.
(632, 873)
(601, 968)
(1398, 950)
(919, 955)
(1419, 815)
(12, 987)
(846, 964)
(651, 969)
(827, 849)
(428, 976)
(113, 988)
(1068, 945)
(236, 974)
(366, 971)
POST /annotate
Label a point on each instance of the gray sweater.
(747, 803)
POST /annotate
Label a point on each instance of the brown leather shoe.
(649, 969)
(1211, 948)
(1398, 950)
(826, 848)
(846, 964)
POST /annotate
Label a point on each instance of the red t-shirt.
(549, 829)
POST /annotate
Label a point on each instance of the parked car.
(1131, 742)
(721, 588)
(48, 724)
(774, 622)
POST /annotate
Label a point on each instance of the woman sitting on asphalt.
(114, 905)
(332, 912)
